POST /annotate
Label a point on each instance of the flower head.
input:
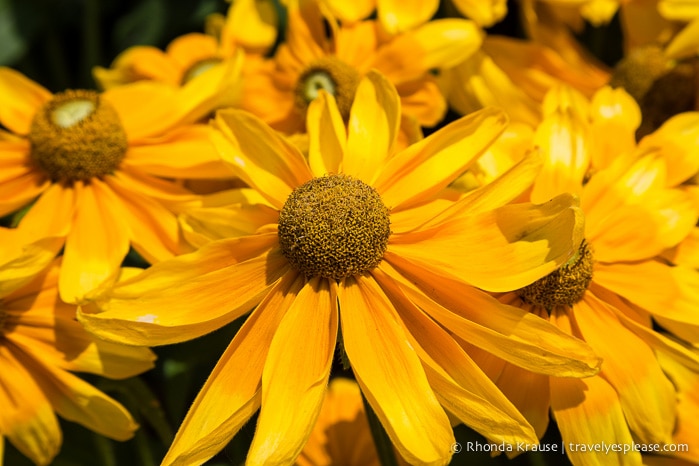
(359, 238)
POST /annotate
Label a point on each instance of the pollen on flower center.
(198, 68)
(334, 226)
(77, 136)
(565, 286)
(331, 75)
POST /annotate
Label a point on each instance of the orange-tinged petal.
(190, 48)
(200, 226)
(327, 136)
(20, 191)
(426, 167)
(306, 35)
(442, 43)
(390, 374)
(423, 100)
(210, 424)
(96, 244)
(171, 194)
(588, 413)
(398, 16)
(51, 215)
(647, 397)
(189, 296)
(372, 128)
(250, 23)
(459, 384)
(138, 63)
(499, 250)
(508, 332)
(296, 374)
(666, 292)
(78, 401)
(356, 44)
(27, 418)
(153, 229)
(186, 152)
(22, 260)
(685, 43)
(262, 158)
(21, 98)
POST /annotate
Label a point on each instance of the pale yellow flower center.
(334, 226)
(77, 136)
(199, 68)
(564, 287)
(332, 75)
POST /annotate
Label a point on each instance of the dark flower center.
(331, 75)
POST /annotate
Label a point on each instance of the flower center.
(198, 68)
(77, 136)
(661, 88)
(565, 286)
(334, 226)
(331, 75)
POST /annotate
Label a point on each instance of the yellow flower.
(40, 344)
(341, 434)
(280, 89)
(614, 289)
(90, 162)
(394, 16)
(337, 255)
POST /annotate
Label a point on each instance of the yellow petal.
(296, 375)
(679, 10)
(252, 24)
(508, 332)
(390, 374)
(647, 397)
(372, 128)
(153, 229)
(327, 136)
(78, 401)
(499, 250)
(442, 43)
(262, 158)
(51, 215)
(137, 63)
(96, 244)
(588, 413)
(685, 43)
(189, 48)
(664, 291)
(423, 100)
(210, 423)
(351, 12)
(186, 152)
(22, 261)
(615, 119)
(459, 384)
(27, 418)
(21, 99)
(426, 167)
(189, 296)
(484, 13)
(398, 16)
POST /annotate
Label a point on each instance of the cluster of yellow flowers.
(537, 256)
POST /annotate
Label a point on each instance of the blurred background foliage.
(57, 43)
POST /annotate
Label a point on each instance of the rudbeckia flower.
(311, 59)
(610, 293)
(358, 244)
(91, 164)
(41, 344)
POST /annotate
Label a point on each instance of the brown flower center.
(334, 226)
(77, 136)
(331, 75)
(198, 68)
(565, 286)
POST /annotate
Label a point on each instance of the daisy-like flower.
(280, 89)
(354, 242)
(611, 291)
(249, 26)
(40, 345)
(90, 163)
